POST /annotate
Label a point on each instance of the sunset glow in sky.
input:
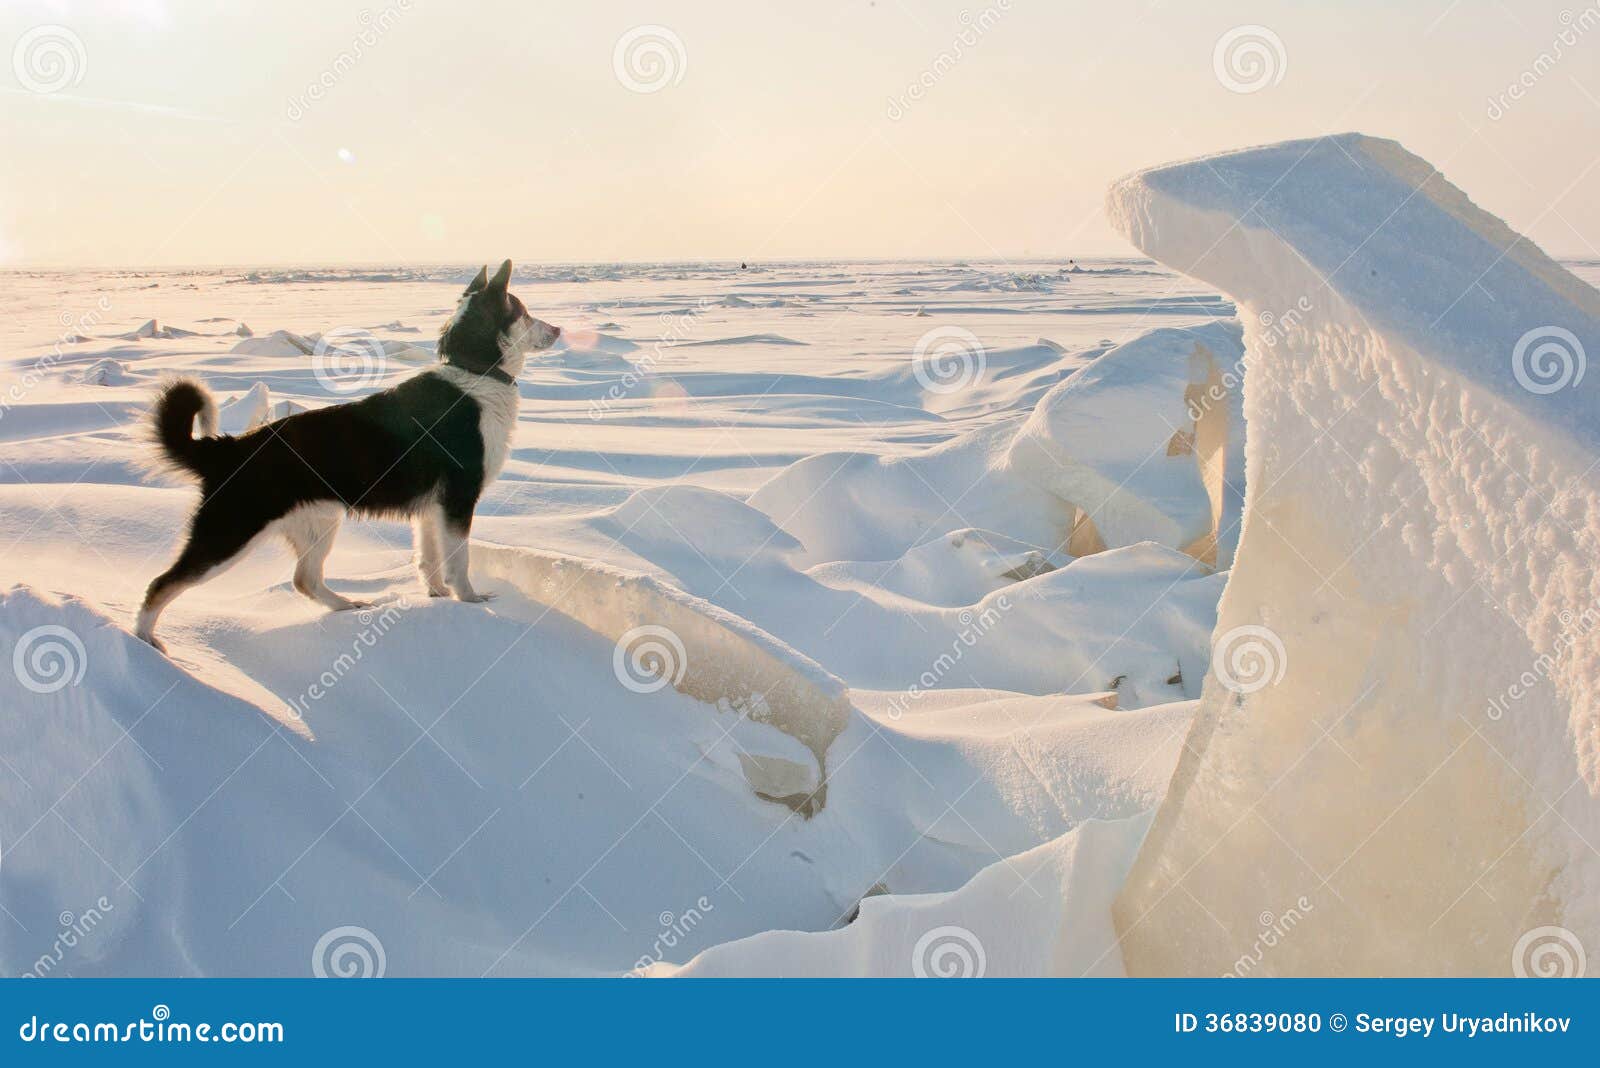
(341, 131)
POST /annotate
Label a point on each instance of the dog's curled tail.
(172, 418)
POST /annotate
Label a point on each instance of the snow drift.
(668, 636)
(1123, 451)
(504, 830)
(620, 761)
(1400, 730)
(463, 833)
(853, 563)
(1043, 912)
(1122, 440)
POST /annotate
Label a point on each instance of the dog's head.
(491, 328)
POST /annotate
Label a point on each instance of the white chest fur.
(497, 419)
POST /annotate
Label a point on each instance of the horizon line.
(22, 265)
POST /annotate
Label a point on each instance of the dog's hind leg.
(311, 529)
(430, 551)
(216, 538)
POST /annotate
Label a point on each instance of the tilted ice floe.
(1399, 737)
(242, 414)
(151, 330)
(277, 343)
(106, 372)
(702, 650)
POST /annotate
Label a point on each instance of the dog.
(424, 450)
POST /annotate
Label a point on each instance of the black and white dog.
(425, 450)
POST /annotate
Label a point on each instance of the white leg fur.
(430, 551)
(456, 560)
(145, 628)
(311, 530)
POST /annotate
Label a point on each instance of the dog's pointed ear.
(478, 283)
(502, 277)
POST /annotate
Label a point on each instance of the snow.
(707, 686)
(1407, 732)
(241, 414)
(150, 329)
(795, 664)
(748, 339)
(277, 343)
(446, 824)
(665, 635)
(1018, 918)
(951, 570)
(106, 373)
(1118, 439)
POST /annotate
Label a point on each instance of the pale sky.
(160, 132)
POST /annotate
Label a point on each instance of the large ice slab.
(1400, 737)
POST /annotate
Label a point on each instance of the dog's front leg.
(430, 551)
(455, 531)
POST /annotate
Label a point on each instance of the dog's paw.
(351, 606)
(475, 598)
(155, 643)
(440, 592)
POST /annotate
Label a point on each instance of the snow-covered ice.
(851, 618)
(781, 624)
(1120, 440)
(1400, 733)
